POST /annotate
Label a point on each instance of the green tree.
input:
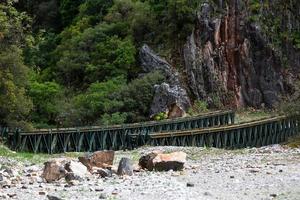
(93, 56)
(45, 97)
(95, 102)
(69, 10)
(14, 104)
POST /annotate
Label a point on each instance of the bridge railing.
(4, 132)
(251, 134)
(109, 137)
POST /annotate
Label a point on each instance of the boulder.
(101, 159)
(146, 161)
(169, 98)
(172, 161)
(70, 176)
(76, 171)
(53, 171)
(169, 94)
(151, 62)
(125, 167)
(163, 162)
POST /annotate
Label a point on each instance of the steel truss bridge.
(217, 129)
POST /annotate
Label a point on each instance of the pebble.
(273, 195)
(42, 193)
(99, 189)
(211, 176)
(52, 197)
(103, 196)
(207, 194)
(254, 170)
(190, 184)
(12, 195)
(24, 187)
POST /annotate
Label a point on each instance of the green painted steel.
(4, 132)
(251, 134)
(254, 134)
(110, 137)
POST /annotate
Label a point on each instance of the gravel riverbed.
(271, 172)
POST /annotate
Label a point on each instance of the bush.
(198, 107)
(112, 119)
(160, 116)
(137, 96)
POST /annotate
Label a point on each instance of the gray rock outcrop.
(169, 94)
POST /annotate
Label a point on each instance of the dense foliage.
(74, 62)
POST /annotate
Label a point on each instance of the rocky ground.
(271, 172)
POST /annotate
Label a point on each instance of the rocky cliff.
(241, 53)
(228, 57)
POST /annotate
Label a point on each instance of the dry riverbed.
(271, 172)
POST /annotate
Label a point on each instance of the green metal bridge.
(251, 134)
(213, 130)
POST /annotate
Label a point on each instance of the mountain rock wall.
(227, 57)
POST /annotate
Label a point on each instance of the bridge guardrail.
(113, 137)
(251, 134)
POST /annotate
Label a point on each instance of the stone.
(52, 197)
(6, 183)
(74, 182)
(76, 168)
(207, 194)
(172, 161)
(170, 95)
(170, 99)
(103, 196)
(273, 195)
(24, 187)
(254, 170)
(42, 193)
(101, 159)
(104, 172)
(99, 189)
(190, 184)
(163, 162)
(125, 167)
(71, 177)
(32, 169)
(12, 195)
(9, 172)
(146, 161)
(53, 171)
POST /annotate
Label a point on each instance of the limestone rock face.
(168, 94)
(227, 56)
